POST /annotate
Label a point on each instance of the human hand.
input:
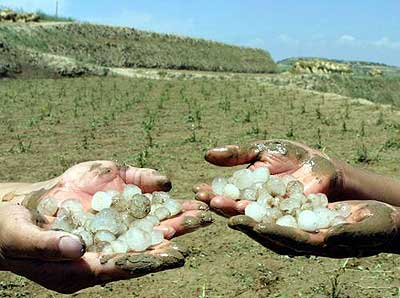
(57, 260)
(372, 228)
(317, 172)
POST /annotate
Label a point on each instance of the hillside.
(359, 67)
(87, 45)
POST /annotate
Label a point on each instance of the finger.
(201, 187)
(188, 205)
(248, 226)
(228, 207)
(22, 239)
(187, 222)
(205, 196)
(147, 179)
(232, 155)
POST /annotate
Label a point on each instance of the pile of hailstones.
(117, 222)
(280, 200)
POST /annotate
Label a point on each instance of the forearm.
(359, 184)
(13, 191)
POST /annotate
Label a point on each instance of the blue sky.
(346, 29)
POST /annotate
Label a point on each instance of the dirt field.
(48, 125)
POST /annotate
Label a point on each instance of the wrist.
(343, 175)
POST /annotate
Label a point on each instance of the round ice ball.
(137, 239)
(255, 211)
(231, 191)
(156, 237)
(307, 220)
(294, 187)
(287, 221)
(62, 223)
(119, 246)
(72, 206)
(162, 213)
(325, 217)
(243, 178)
(106, 220)
(290, 204)
(104, 236)
(248, 194)
(218, 184)
(131, 190)
(143, 224)
(173, 206)
(275, 186)
(261, 175)
(160, 197)
(86, 236)
(264, 198)
(318, 200)
(47, 206)
(101, 200)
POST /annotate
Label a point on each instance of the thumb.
(21, 238)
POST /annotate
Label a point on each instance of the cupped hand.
(317, 172)
(57, 260)
(373, 228)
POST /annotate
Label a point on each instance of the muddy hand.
(316, 171)
(372, 229)
(57, 260)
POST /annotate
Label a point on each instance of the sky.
(367, 30)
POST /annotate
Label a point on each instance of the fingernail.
(71, 247)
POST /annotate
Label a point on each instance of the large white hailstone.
(275, 186)
(137, 239)
(153, 219)
(273, 213)
(231, 191)
(295, 187)
(62, 223)
(119, 246)
(143, 224)
(86, 236)
(287, 221)
(113, 193)
(248, 194)
(264, 198)
(290, 204)
(325, 217)
(307, 220)
(104, 236)
(318, 200)
(162, 213)
(287, 178)
(299, 196)
(243, 178)
(72, 205)
(343, 209)
(101, 200)
(107, 250)
(261, 175)
(47, 206)
(156, 237)
(106, 220)
(218, 185)
(160, 197)
(131, 190)
(173, 206)
(338, 220)
(255, 211)
(80, 218)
